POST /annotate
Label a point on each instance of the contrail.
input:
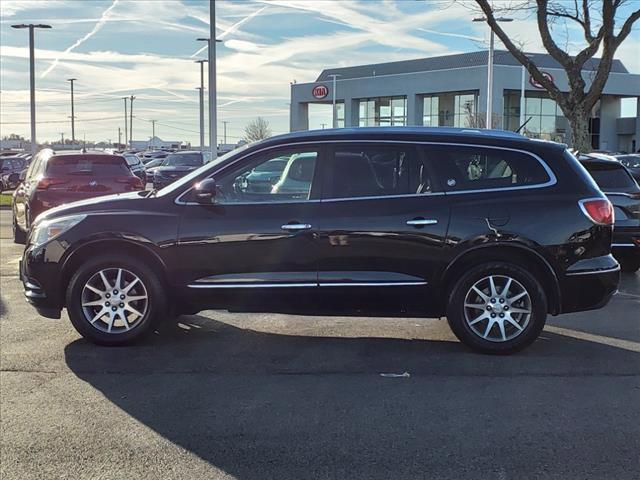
(234, 27)
(103, 19)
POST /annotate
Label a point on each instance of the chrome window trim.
(622, 245)
(552, 177)
(595, 272)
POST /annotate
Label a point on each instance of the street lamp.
(334, 121)
(73, 118)
(201, 88)
(490, 69)
(32, 79)
(212, 80)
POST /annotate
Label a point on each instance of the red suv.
(57, 178)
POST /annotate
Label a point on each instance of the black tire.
(19, 235)
(501, 270)
(154, 314)
(630, 263)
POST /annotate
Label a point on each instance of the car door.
(382, 221)
(251, 239)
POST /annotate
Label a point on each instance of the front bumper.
(45, 298)
(589, 284)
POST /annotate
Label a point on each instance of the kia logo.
(536, 84)
(320, 91)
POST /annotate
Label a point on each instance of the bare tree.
(597, 20)
(257, 129)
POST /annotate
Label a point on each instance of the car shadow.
(262, 405)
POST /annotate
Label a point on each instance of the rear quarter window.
(87, 165)
(485, 168)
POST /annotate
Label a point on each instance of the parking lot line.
(590, 337)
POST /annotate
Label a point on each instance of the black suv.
(624, 193)
(177, 165)
(491, 229)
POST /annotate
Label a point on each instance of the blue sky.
(148, 48)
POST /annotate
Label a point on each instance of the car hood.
(118, 201)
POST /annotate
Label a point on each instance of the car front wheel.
(115, 300)
(497, 307)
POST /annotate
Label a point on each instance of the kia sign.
(320, 92)
(536, 84)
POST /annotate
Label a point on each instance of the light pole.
(490, 69)
(212, 78)
(131, 122)
(201, 62)
(153, 133)
(125, 123)
(224, 122)
(32, 79)
(73, 118)
(334, 121)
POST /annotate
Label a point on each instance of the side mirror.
(206, 191)
(23, 175)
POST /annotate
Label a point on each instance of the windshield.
(275, 166)
(132, 159)
(183, 160)
(207, 167)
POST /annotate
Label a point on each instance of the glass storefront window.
(430, 111)
(541, 112)
(382, 111)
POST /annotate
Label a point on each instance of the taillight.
(47, 182)
(598, 210)
(133, 183)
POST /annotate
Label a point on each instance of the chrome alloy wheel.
(114, 300)
(497, 308)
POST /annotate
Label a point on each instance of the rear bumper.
(589, 284)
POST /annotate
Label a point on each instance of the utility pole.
(32, 79)
(323, 125)
(131, 123)
(125, 122)
(224, 122)
(62, 135)
(73, 118)
(153, 134)
(201, 62)
(213, 119)
(119, 137)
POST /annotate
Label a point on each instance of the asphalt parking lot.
(290, 397)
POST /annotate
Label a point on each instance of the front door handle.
(296, 226)
(419, 222)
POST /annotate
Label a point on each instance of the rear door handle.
(296, 226)
(417, 222)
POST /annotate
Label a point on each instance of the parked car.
(624, 193)
(10, 168)
(136, 166)
(262, 178)
(491, 229)
(177, 165)
(632, 162)
(152, 164)
(54, 179)
(149, 156)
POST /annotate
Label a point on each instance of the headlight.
(49, 229)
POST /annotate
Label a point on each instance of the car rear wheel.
(630, 263)
(115, 300)
(497, 307)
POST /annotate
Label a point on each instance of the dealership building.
(452, 91)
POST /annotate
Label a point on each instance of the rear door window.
(471, 167)
(611, 177)
(373, 170)
(111, 166)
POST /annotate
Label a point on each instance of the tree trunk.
(580, 137)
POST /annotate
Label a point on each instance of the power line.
(61, 121)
